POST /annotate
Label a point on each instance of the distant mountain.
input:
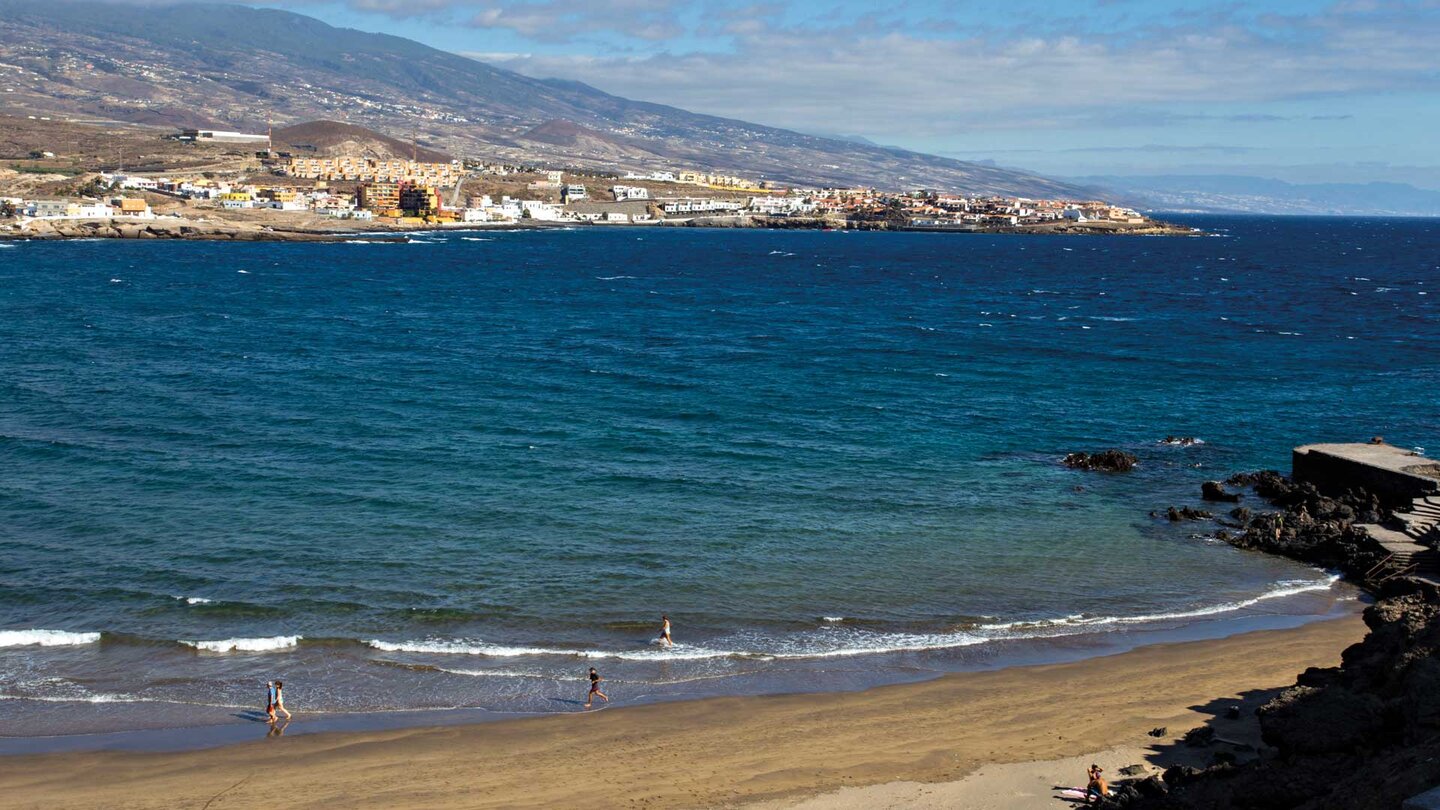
(242, 67)
(1259, 195)
(332, 138)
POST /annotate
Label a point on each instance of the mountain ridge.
(244, 67)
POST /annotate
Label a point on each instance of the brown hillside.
(333, 138)
(567, 133)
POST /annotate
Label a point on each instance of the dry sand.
(775, 751)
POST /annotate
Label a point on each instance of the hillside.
(1238, 194)
(332, 138)
(241, 67)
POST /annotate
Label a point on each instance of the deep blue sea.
(457, 472)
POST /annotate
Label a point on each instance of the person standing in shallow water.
(595, 680)
(665, 632)
(277, 702)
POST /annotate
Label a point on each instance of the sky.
(1324, 91)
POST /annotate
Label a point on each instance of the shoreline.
(118, 722)
(278, 230)
(715, 751)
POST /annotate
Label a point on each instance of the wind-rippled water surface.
(456, 472)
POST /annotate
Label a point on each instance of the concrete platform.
(1396, 475)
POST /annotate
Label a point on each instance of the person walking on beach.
(665, 631)
(595, 680)
(269, 701)
(277, 701)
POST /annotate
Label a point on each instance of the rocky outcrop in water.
(1215, 491)
(1105, 460)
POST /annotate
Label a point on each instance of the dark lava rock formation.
(1106, 460)
(1363, 735)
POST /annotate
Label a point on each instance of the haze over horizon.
(1344, 93)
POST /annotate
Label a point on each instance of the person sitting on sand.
(665, 631)
(277, 702)
(1096, 789)
(595, 680)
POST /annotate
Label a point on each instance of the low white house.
(702, 205)
(623, 193)
(540, 210)
(781, 205)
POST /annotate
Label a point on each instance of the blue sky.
(1304, 91)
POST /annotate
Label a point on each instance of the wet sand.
(780, 750)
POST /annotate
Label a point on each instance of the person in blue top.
(275, 701)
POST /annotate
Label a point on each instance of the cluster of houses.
(696, 178)
(407, 192)
(356, 168)
(119, 207)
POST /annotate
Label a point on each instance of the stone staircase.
(1413, 548)
(1422, 521)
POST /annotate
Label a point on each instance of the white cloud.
(866, 78)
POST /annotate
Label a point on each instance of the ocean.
(453, 474)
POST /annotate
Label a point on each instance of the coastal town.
(280, 192)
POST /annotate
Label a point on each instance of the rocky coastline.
(279, 230)
(1362, 735)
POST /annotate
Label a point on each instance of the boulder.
(1215, 491)
(1105, 461)
(1186, 513)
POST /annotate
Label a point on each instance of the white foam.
(194, 600)
(1279, 591)
(99, 698)
(613, 278)
(461, 647)
(45, 638)
(840, 642)
(246, 644)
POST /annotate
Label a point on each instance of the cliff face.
(1365, 734)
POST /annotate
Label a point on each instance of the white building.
(781, 205)
(572, 192)
(623, 193)
(221, 136)
(540, 210)
(703, 205)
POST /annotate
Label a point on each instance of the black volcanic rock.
(1215, 491)
(1106, 460)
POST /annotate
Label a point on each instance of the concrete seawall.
(1396, 475)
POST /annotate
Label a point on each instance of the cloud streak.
(844, 76)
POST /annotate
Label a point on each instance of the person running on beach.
(277, 701)
(665, 632)
(1096, 788)
(595, 680)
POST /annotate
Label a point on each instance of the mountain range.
(1242, 194)
(242, 68)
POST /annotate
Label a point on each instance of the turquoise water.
(456, 472)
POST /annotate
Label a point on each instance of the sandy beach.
(910, 740)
